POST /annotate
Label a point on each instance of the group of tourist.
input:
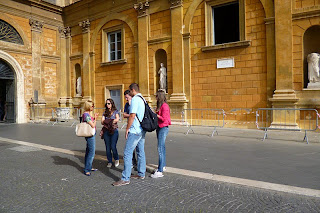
(135, 135)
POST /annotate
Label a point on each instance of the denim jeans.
(134, 141)
(161, 136)
(90, 150)
(111, 145)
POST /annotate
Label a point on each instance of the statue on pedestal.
(163, 77)
(313, 70)
(79, 88)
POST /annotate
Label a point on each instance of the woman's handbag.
(85, 130)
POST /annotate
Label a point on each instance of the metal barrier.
(204, 117)
(287, 119)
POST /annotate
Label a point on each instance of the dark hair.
(126, 92)
(107, 112)
(161, 98)
(134, 86)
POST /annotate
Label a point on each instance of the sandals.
(93, 170)
(87, 173)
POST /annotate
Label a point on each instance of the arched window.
(9, 34)
(5, 71)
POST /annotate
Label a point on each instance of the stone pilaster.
(143, 35)
(65, 83)
(271, 59)
(284, 95)
(36, 36)
(177, 52)
(87, 77)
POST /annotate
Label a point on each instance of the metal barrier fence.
(204, 117)
(287, 119)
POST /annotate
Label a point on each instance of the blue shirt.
(126, 108)
(137, 106)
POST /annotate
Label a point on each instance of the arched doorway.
(7, 93)
(12, 88)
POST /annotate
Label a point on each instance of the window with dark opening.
(114, 40)
(225, 27)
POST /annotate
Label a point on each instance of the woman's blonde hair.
(87, 105)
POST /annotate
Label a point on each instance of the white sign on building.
(225, 63)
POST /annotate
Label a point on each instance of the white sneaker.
(109, 165)
(157, 175)
(116, 163)
(164, 169)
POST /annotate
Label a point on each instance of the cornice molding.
(16, 50)
(306, 13)
(269, 20)
(27, 15)
(46, 6)
(76, 56)
(142, 8)
(226, 46)
(121, 61)
(95, 16)
(159, 40)
(51, 57)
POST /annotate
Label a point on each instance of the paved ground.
(36, 180)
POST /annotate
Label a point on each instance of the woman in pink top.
(164, 120)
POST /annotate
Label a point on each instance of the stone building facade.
(236, 55)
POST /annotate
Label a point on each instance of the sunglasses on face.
(108, 103)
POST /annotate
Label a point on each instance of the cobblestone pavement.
(34, 180)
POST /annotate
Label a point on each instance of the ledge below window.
(121, 61)
(226, 46)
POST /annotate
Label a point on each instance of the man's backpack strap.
(144, 106)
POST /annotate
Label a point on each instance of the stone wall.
(241, 87)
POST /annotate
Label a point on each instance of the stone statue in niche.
(163, 77)
(79, 88)
(313, 70)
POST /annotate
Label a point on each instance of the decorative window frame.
(209, 23)
(105, 45)
(107, 89)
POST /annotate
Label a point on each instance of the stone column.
(36, 33)
(284, 95)
(65, 90)
(86, 77)
(143, 35)
(178, 75)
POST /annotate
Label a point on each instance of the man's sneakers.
(116, 163)
(121, 183)
(109, 165)
(157, 175)
(137, 177)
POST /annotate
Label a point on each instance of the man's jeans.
(111, 144)
(134, 141)
(90, 150)
(161, 136)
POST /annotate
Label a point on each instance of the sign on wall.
(225, 63)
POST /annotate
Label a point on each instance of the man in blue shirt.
(135, 136)
(126, 114)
